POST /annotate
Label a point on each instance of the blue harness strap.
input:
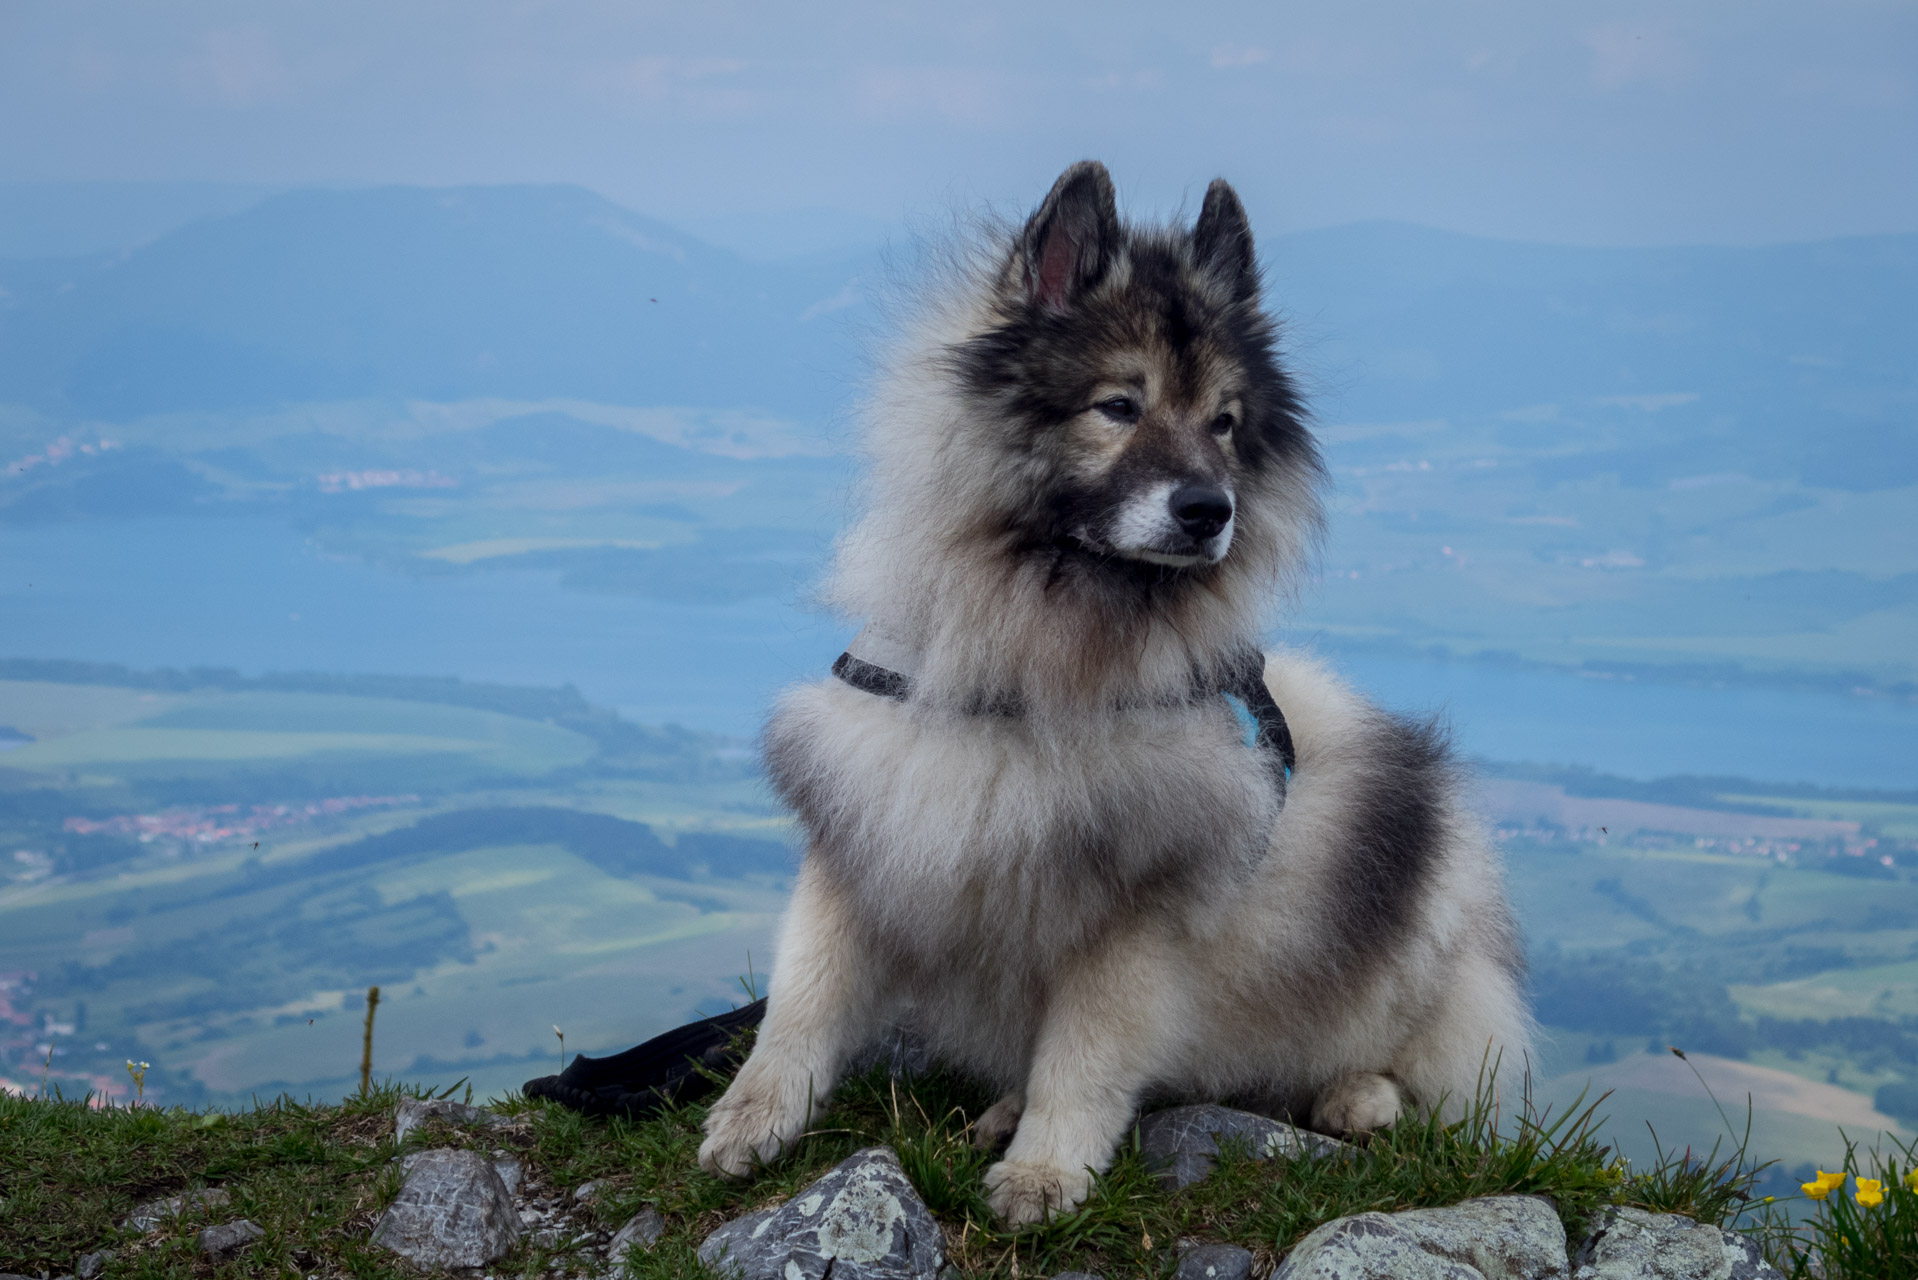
(1273, 734)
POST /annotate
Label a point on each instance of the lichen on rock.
(862, 1221)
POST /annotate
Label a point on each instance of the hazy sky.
(1609, 123)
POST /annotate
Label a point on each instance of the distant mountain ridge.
(540, 291)
(525, 292)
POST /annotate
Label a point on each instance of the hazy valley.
(1639, 521)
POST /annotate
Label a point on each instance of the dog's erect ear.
(1222, 240)
(1067, 246)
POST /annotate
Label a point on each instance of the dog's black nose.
(1201, 509)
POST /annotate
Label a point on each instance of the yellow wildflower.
(1871, 1192)
(1824, 1186)
(1911, 1180)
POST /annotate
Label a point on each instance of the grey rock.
(862, 1221)
(1631, 1244)
(587, 1190)
(726, 1250)
(642, 1231)
(1182, 1143)
(92, 1264)
(156, 1212)
(414, 1112)
(900, 1047)
(453, 1211)
(1077, 1275)
(1214, 1262)
(1746, 1258)
(510, 1173)
(229, 1238)
(1493, 1238)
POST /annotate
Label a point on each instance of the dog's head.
(1133, 373)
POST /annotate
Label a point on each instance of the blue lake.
(257, 596)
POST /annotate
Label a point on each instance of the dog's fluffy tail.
(1406, 819)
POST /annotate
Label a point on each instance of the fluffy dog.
(1036, 829)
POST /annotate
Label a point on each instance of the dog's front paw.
(1019, 1192)
(750, 1126)
(1357, 1105)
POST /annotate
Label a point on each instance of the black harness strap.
(1248, 686)
(867, 678)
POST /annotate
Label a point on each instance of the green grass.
(380, 744)
(151, 754)
(46, 710)
(1878, 991)
(316, 1178)
(553, 940)
(1841, 1236)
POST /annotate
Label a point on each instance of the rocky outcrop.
(453, 1211)
(511, 1172)
(1493, 1238)
(641, 1231)
(460, 1210)
(1181, 1144)
(414, 1112)
(1214, 1262)
(1520, 1238)
(862, 1221)
(229, 1238)
(156, 1213)
(1631, 1244)
(900, 1048)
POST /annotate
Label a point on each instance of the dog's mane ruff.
(934, 559)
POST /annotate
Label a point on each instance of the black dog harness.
(1245, 692)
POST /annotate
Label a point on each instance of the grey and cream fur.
(1091, 482)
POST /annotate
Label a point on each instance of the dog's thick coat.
(1057, 857)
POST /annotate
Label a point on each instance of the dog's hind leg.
(1355, 1105)
(821, 1007)
(999, 1121)
(1475, 1043)
(1099, 1046)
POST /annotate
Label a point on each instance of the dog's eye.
(1223, 424)
(1119, 408)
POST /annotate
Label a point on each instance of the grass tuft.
(316, 1178)
(1856, 1229)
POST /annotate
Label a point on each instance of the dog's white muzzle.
(1149, 528)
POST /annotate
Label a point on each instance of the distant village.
(226, 823)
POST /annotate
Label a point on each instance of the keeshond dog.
(1040, 828)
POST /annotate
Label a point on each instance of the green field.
(236, 958)
(207, 873)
